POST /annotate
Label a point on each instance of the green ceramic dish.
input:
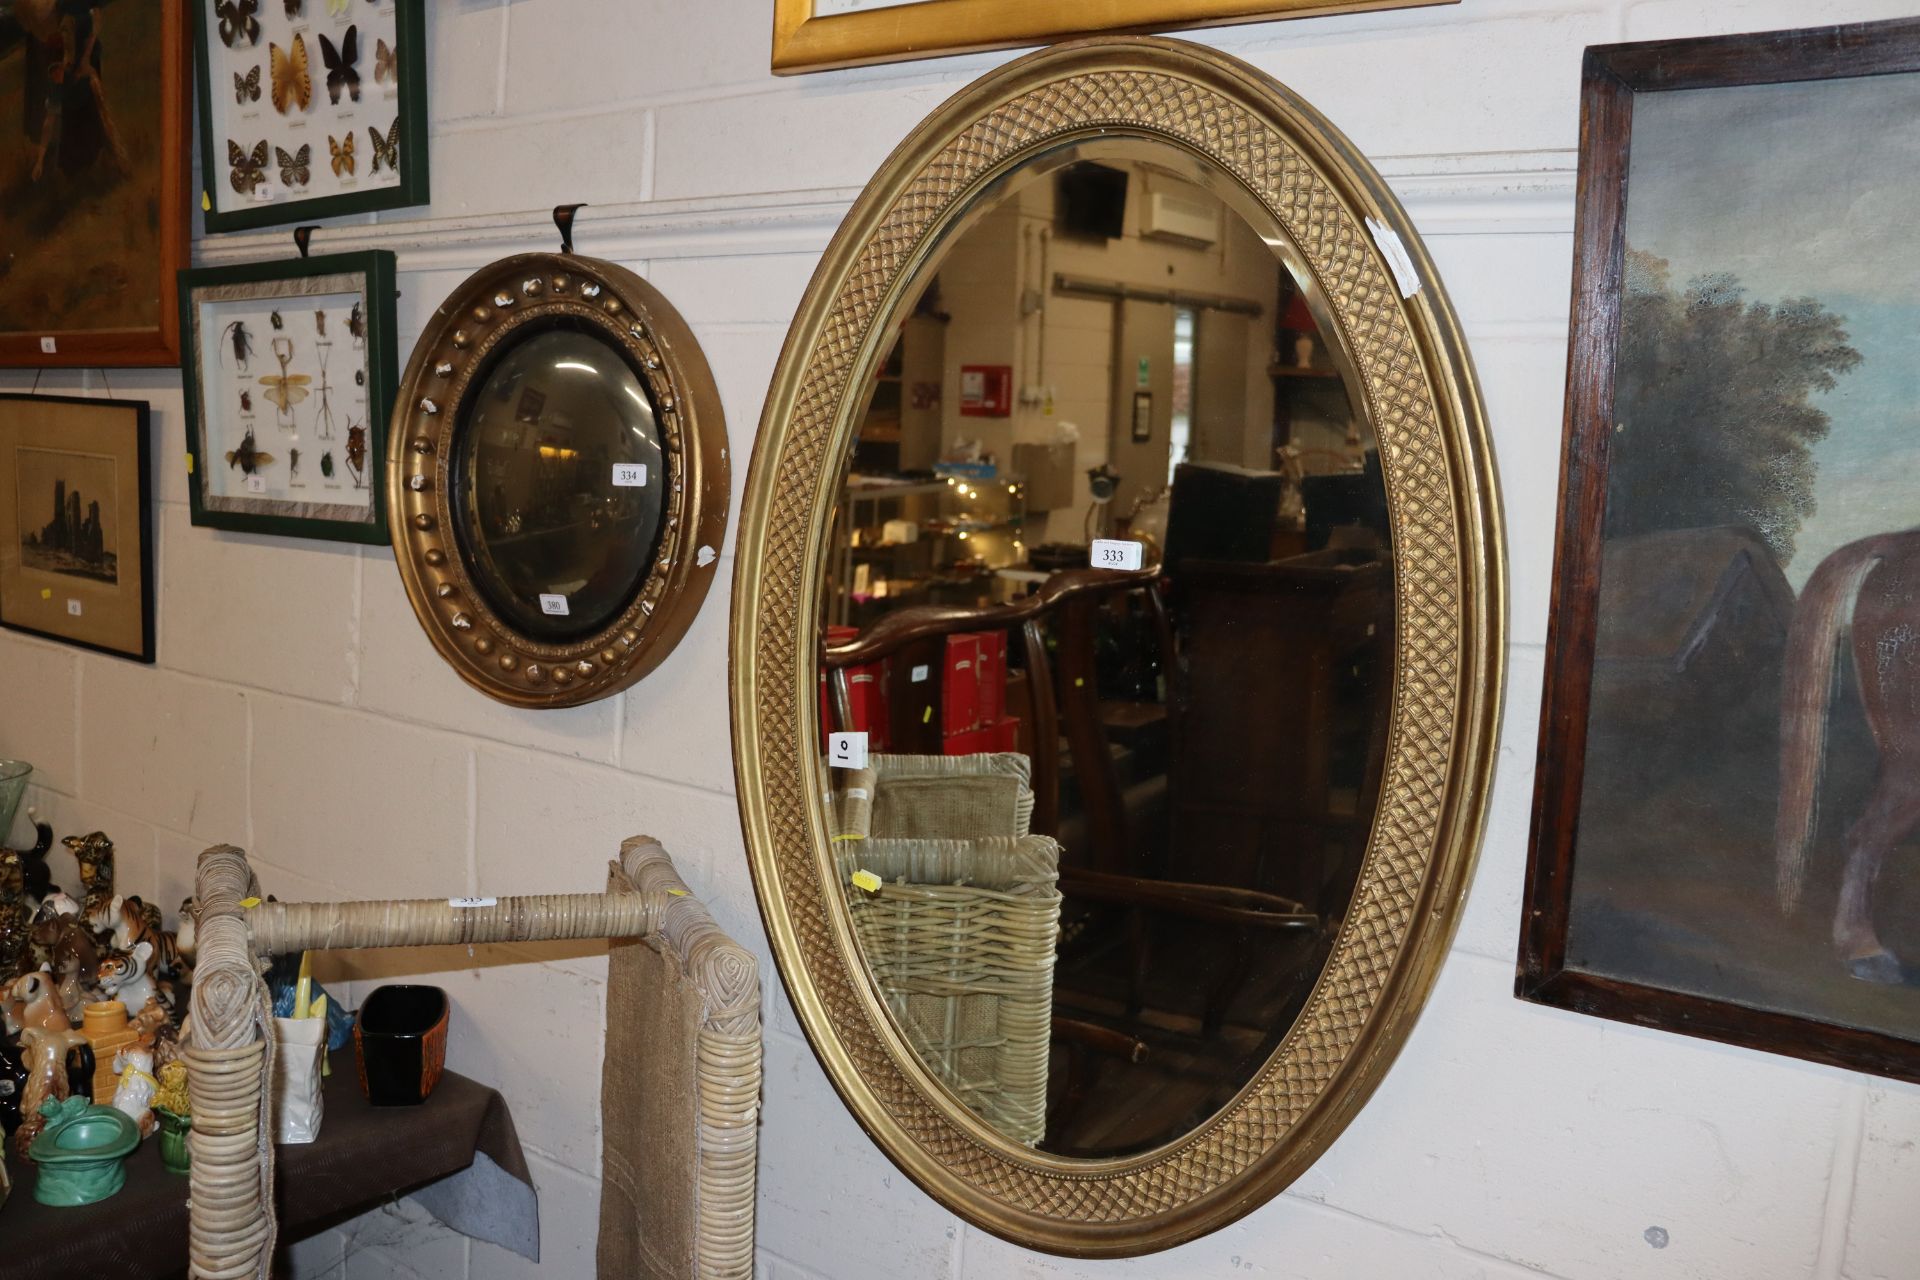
(81, 1152)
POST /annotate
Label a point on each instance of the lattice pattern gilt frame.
(1419, 388)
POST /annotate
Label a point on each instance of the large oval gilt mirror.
(1117, 645)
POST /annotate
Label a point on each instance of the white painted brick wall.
(298, 710)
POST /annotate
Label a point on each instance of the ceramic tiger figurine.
(94, 854)
(135, 922)
(125, 976)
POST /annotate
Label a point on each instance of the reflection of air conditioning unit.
(1174, 215)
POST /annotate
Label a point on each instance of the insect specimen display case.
(289, 369)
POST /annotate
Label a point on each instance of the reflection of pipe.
(1046, 247)
(1134, 293)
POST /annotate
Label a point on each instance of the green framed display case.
(289, 369)
(308, 114)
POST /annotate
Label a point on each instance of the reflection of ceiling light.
(574, 364)
(558, 451)
(963, 535)
(640, 400)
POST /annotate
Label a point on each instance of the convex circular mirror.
(1113, 763)
(557, 479)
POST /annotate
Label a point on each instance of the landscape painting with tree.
(1735, 845)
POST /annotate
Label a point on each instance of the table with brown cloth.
(457, 1154)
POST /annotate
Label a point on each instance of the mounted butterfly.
(341, 73)
(292, 82)
(283, 53)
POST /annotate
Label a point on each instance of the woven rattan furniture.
(960, 933)
(677, 1200)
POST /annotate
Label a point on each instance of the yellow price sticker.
(46, 593)
(866, 880)
(926, 715)
(249, 903)
(206, 202)
(189, 464)
(678, 893)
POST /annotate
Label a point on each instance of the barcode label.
(472, 902)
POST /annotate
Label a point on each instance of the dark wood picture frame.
(138, 463)
(382, 366)
(1612, 77)
(159, 344)
(414, 187)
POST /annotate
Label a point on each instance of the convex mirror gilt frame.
(446, 539)
(1342, 222)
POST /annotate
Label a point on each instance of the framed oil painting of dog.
(1726, 829)
(93, 178)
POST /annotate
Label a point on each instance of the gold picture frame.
(806, 40)
(498, 306)
(1449, 644)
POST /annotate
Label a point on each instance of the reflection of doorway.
(1180, 425)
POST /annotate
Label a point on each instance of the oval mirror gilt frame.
(1419, 388)
(505, 300)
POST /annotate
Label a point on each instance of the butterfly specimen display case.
(310, 108)
(289, 369)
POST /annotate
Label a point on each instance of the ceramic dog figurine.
(33, 1001)
(68, 948)
(133, 1096)
(45, 1054)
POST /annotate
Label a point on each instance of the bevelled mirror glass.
(1114, 763)
(557, 479)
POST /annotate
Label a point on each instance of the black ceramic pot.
(400, 1042)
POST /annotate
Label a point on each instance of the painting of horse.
(1726, 836)
(1867, 593)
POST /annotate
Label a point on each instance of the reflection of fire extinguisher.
(926, 395)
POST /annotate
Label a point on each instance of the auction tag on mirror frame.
(73, 606)
(472, 902)
(847, 750)
(1115, 553)
(256, 483)
(1399, 261)
(556, 605)
(630, 475)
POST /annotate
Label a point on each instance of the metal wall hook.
(563, 219)
(303, 237)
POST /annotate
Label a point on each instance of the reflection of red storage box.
(866, 691)
(1001, 735)
(974, 685)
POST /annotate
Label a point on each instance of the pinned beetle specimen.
(246, 457)
(242, 341)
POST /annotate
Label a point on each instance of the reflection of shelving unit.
(901, 429)
(1310, 402)
(965, 529)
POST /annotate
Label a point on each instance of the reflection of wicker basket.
(961, 934)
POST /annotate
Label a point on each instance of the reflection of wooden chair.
(1068, 600)
(678, 1196)
(961, 929)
